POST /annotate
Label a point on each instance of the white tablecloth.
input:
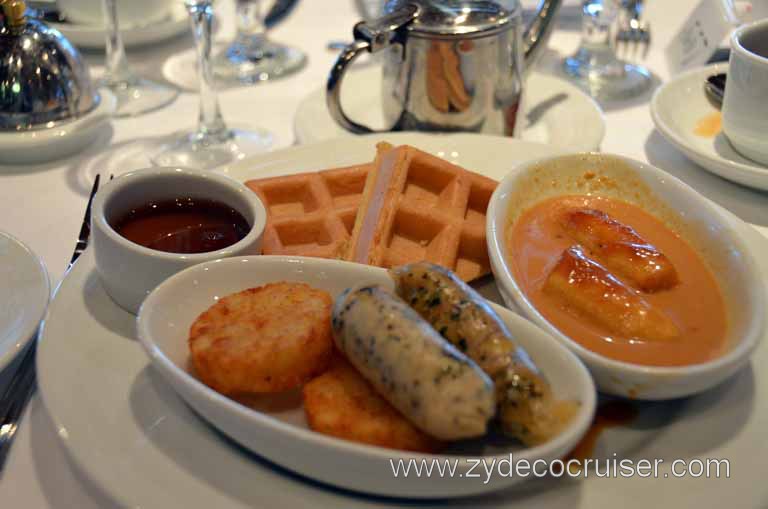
(43, 205)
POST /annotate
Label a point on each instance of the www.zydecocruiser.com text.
(486, 468)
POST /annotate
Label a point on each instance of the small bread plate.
(94, 36)
(130, 432)
(686, 118)
(24, 296)
(60, 140)
(554, 111)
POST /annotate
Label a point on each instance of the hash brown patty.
(341, 403)
(261, 340)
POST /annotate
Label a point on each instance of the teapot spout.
(538, 31)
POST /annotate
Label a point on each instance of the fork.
(22, 384)
(633, 33)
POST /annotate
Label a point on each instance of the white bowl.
(130, 271)
(689, 213)
(283, 436)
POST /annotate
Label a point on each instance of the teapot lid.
(458, 17)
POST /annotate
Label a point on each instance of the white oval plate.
(94, 37)
(283, 436)
(678, 105)
(41, 145)
(127, 430)
(24, 293)
(554, 111)
(704, 225)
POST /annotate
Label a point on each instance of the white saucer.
(41, 145)
(554, 111)
(24, 294)
(677, 107)
(130, 433)
(94, 36)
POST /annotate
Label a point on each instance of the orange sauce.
(608, 415)
(536, 241)
(709, 126)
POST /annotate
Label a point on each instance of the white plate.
(24, 293)
(284, 437)
(41, 145)
(129, 431)
(554, 111)
(94, 36)
(676, 108)
(468, 150)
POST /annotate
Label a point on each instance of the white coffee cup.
(130, 13)
(745, 106)
(129, 271)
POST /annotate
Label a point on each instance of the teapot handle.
(539, 29)
(333, 88)
(370, 37)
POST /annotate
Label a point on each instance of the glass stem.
(596, 25)
(118, 72)
(210, 122)
(251, 31)
(596, 52)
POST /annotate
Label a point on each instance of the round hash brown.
(267, 339)
(341, 403)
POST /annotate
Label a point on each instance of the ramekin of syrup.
(183, 225)
(149, 224)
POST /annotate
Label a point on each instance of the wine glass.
(370, 10)
(134, 95)
(595, 65)
(252, 57)
(212, 144)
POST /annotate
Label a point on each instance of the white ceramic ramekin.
(130, 271)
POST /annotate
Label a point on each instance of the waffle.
(311, 214)
(416, 206)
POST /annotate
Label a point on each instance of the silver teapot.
(450, 65)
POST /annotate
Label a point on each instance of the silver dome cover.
(43, 79)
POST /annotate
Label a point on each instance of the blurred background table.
(43, 205)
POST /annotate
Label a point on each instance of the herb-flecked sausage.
(527, 409)
(429, 381)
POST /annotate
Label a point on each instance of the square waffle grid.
(311, 214)
(440, 217)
